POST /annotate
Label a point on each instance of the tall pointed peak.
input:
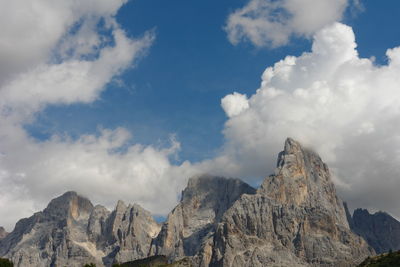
(302, 178)
(292, 146)
(121, 206)
(298, 161)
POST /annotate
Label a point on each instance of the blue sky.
(132, 102)
(177, 87)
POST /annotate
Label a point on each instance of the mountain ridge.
(295, 218)
(379, 229)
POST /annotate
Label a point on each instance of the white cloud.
(103, 167)
(330, 99)
(234, 104)
(31, 29)
(272, 23)
(71, 81)
(56, 52)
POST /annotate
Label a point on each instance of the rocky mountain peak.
(380, 230)
(303, 179)
(296, 161)
(120, 206)
(204, 192)
(71, 232)
(294, 219)
(192, 222)
(291, 146)
(70, 205)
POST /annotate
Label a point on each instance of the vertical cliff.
(190, 227)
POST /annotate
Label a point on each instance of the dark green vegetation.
(5, 263)
(391, 259)
(147, 262)
(90, 265)
(154, 261)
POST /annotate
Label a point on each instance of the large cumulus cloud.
(345, 107)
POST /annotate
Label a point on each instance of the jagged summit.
(296, 161)
(380, 230)
(303, 179)
(291, 145)
(210, 191)
(295, 219)
(191, 224)
(365, 212)
(70, 205)
(71, 232)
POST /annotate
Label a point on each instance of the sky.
(120, 99)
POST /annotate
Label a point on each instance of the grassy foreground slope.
(391, 259)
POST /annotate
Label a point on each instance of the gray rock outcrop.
(71, 232)
(189, 228)
(53, 237)
(3, 232)
(380, 230)
(129, 232)
(295, 219)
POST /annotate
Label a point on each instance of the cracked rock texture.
(189, 228)
(71, 232)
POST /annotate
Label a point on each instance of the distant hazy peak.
(380, 230)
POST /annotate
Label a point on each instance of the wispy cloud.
(267, 23)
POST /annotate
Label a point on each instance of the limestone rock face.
(295, 219)
(71, 232)
(130, 230)
(3, 232)
(380, 230)
(190, 226)
(52, 237)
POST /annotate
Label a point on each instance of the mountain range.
(295, 218)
